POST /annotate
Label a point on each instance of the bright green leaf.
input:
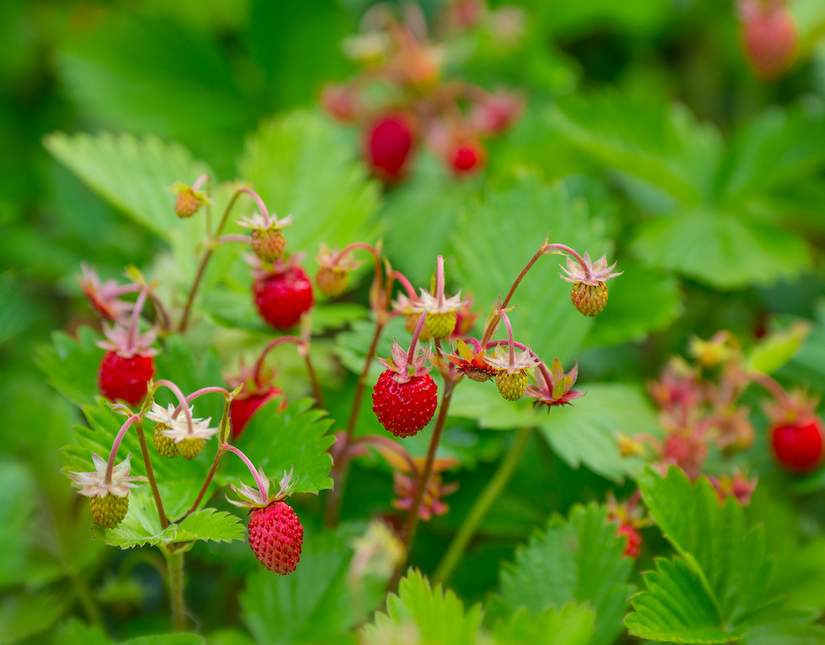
(776, 349)
(74, 632)
(425, 614)
(723, 250)
(580, 559)
(571, 625)
(167, 639)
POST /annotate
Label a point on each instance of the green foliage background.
(646, 137)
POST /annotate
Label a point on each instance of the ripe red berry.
(123, 378)
(770, 39)
(283, 297)
(241, 410)
(798, 446)
(387, 146)
(404, 408)
(467, 157)
(633, 549)
(276, 536)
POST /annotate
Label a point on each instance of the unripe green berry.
(441, 325)
(331, 282)
(512, 386)
(589, 299)
(268, 243)
(190, 448)
(108, 511)
(164, 445)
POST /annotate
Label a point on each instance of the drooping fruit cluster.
(108, 495)
(187, 200)
(450, 118)
(589, 293)
(276, 537)
(283, 294)
(109, 511)
(770, 36)
(332, 276)
(405, 397)
(268, 241)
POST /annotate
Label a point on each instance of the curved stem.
(208, 221)
(270, 346)
(481, 506)
(516, 344)
(424, 480)
(204, 261)
(770, 385)
(518, 280)
(134, 324)
(113, 452)
(181, 402)
(259, 202)
(406, 284)
(236, 237)
(198, 393)
(313, 378)
(411, 353)
(199, 181)
(224, 436)
(567, 249)
(358, 245)
(260, 481)
(548, 377)
(510, 341)
(150, 473)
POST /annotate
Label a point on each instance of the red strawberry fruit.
(387, 146)
(241, 410)
(127, 366)
(769, 35)
(405, 397)
(467, 157)
(798, 446)
(283, 295)
(276, 536)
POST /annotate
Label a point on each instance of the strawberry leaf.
(279, 441)
(580, 560)
(714, 590)
(71, 365)
(434, 615)
(141, 526)
(317, 603)
(570, 625)
(25, 614)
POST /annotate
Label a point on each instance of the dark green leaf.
(571, 625)
(17, 308)
(24, 615)
(71, 365)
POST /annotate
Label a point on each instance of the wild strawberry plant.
(346, 397)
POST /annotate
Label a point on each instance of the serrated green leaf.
(662, 145)
(424, 614)
(141, 526)
(301, 166)
(501, 234)
(280, 441)
(351, 345)
(71, 365)
(676, 608)
(641, 301)
(714, 591)
(24, 615)
(74, 632)
(723, 250)
(571, 625)
(482, 402)
(588, 431)
(580, 559)
(132, 174)
(179, 480)
(316, 604)
(167, 639)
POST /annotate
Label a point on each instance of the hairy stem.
(424, 480)
(260, 481)
(339, 468)
(110, 465)
(204, 261)
(175, 566)
(481, 506)
(150, 473)
(313, 378)
(182, 407)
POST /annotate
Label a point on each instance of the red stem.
(113, 453)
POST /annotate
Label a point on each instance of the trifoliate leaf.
(715, 590)
(302, 166)
(279, 441)
(722, 249)
(424, 614)
(580, 559)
